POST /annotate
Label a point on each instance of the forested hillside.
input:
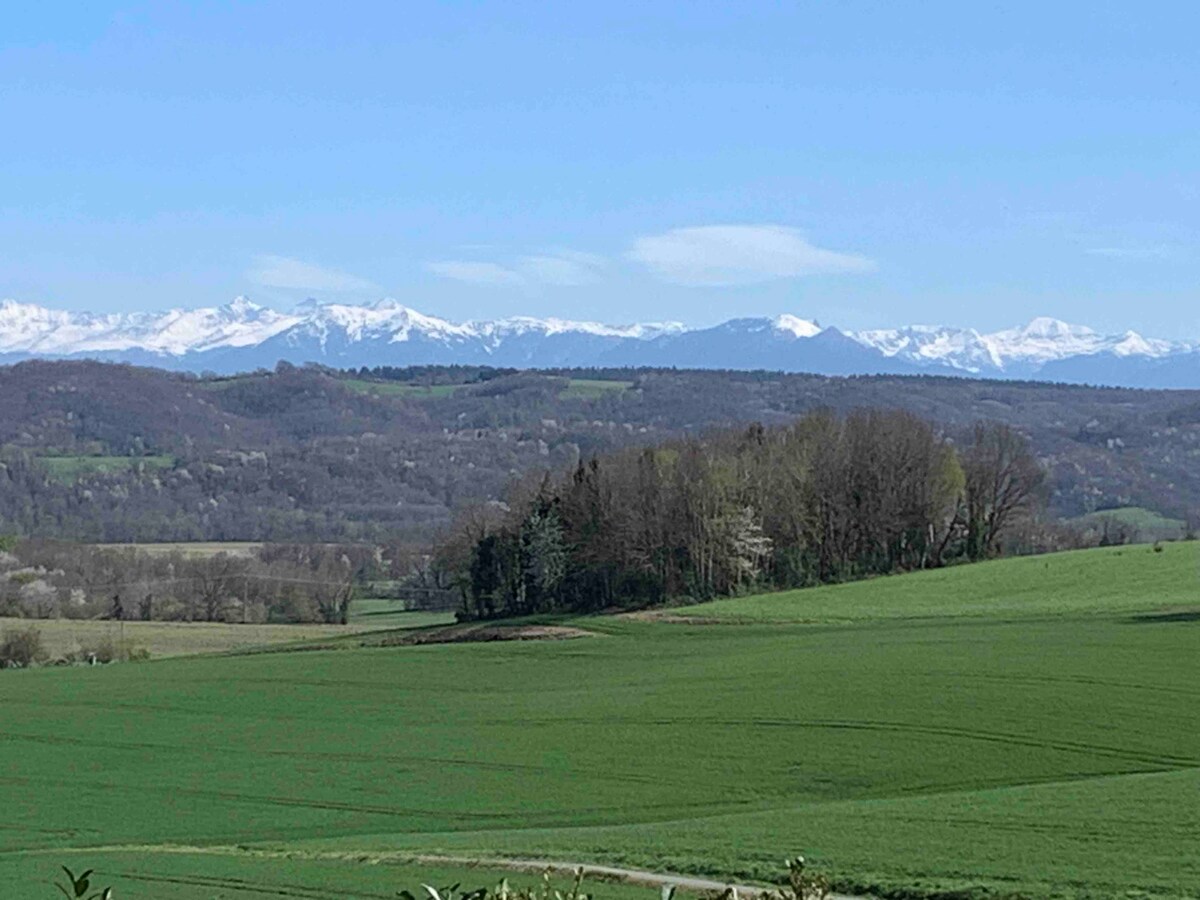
(827, 499)
(106, 452)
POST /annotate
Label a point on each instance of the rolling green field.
(916, 734)
(1088, 582)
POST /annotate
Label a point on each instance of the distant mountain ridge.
(243, 335)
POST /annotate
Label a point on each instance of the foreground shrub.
(503, 891)
(21, 648)
(802, 884)
(78, 887)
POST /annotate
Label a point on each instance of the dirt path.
(632, 876)
(590, 870)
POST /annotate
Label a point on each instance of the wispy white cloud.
(558, 268)
(1130, 253)
(716, 255)
(294, 274)
(562, 268)
(475, 272)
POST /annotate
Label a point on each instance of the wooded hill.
(103, 452)
(824, 500)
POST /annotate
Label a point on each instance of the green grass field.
(68, 469)
(198, 874)
(399, 388)
(1082, 583)
(916, 734)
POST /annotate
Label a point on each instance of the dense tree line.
(826, 499)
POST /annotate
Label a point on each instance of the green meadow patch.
(399, 388)
(68, 469)
(930, 736)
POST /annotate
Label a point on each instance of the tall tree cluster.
(828, 498)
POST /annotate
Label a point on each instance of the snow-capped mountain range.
(243, 335)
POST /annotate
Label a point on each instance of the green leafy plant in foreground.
(801, 885)
(504, 891)
(77, 886)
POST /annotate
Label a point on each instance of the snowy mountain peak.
(1046, 327)
(794, 325)
(242, 307)
(242, 335)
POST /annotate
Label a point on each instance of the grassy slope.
(1102, 582)
(1056, 755)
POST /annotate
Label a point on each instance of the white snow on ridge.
(523, 325)
(25, 328)
(960, 348)
(387, 317)
(28, 329)
(1041, 341)
(801, 328)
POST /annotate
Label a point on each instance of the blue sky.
(864, 164)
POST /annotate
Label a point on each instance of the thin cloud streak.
(475, 272)
(293, 274)
(559, 268)
(727, 255)
(563, 268)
